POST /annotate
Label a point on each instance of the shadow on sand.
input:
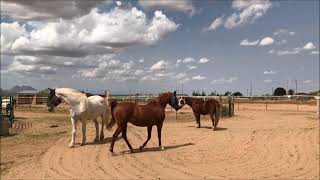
(210, 127)
(152, 149)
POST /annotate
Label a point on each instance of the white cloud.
(246, 42)
(267, 80)
(160, 66)
(271, 51)
(281, 42)
(307, 81)
(47, 10)
(94, 33)
(314, 52)
(11, 32)
(215, 24)
(248, 12)
(309, 46)
(114, 70)
(269, 72)
(283, 32)
(266, 41)
(204, 60)
(191, 67)
(181, 76)
(138, 72)
(31, 69)
(118, 3)
(179, 61)
(224, 80)
(141, 60)
(286, 52)
(198, 77)
(182, 6)
(188, 60)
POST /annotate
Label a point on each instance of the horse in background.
(83, 108)
(149, 115)
(201, 107)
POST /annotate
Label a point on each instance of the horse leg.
(159, 128)
(84, 124)
(149, 137)
(124, 136)
(213, 119)
(96, 124)
(74, 128)
(197, 120)
(114, 138)
(103, 121)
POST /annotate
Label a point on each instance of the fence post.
(265, 98)
(297, 103)
(318, 106)
(229, 106)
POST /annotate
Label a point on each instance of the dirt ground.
(280, 143)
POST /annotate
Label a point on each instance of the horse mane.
(161, 97)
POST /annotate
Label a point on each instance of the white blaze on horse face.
(182, 102)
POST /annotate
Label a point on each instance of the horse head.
(53, 100)
(181, 102)
(169, 98)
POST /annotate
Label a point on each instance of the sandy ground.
(254, 144)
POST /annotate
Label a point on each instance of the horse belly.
(142, 121)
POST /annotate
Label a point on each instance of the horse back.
(139, 115)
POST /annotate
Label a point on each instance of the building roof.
(28, 92)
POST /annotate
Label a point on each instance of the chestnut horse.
(201, 107)
(153, 113)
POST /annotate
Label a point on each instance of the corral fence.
(39, 102)
(228, 103)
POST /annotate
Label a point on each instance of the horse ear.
(51, 90)
(175, 93)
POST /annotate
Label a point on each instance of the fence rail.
(225, 101)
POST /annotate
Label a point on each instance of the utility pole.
(182, 88)
(287, 82)
(272, 91)
(247, 92)
(296, 86)
(250, 88)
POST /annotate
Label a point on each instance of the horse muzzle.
(50, 108)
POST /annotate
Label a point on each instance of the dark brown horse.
(201, 107)
(153, 113)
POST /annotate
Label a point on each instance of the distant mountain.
(14, 90)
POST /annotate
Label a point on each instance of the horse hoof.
(197, 126)
(96, 140)
(141, 148)
(131, 150)
(70, 145)
(162, 148)
(101, 138)
(82, 144)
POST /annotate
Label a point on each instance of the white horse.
(82, 108)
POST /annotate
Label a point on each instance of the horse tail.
(113, 104)
(217, 114)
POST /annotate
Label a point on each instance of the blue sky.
(268, 44)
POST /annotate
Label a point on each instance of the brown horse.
(201, 107)
(153, 113)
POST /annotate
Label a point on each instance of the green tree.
(237, 94)
(280, 91)
(291, 92)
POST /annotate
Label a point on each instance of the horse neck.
(162, 101)
(71, 97)
(188, 100)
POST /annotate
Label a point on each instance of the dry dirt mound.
(249, 145)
